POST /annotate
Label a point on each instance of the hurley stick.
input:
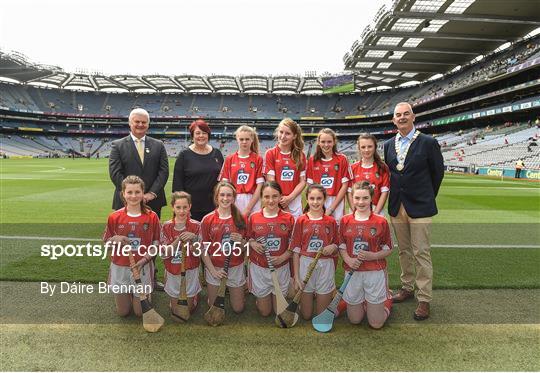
(289, 317)
(152, 321)
(324, 321)
(182, 303)
(281, 302)
(216, 314)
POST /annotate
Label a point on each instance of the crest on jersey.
(252, 164)
(336, 167)
(145, 226)
(377, 175)
(373, 231)
(327, 230)
(283, 227)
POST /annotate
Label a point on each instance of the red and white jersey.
(215, 233)
(277, 231)
(284, 169)
(331, 174)
(369, 235)
(142, 231)
(379, 179)
(168, 234)
(243, 172)
(309, 235)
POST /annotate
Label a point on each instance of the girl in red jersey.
(181, 228)
(222, 234)
(136, 227)
(276, 227)
(312, 231)
(243, 169)
(330, 169)
(370, 168)
(364, 244)
(286, 164)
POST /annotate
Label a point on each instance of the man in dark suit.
(141, 155)
(416, 173)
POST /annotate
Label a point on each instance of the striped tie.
(140, 149)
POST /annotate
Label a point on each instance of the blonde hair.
(254, 137)
(318, 150)
(298, 144)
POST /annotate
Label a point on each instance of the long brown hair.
(318, 150)
(255, 143)
(133, 179)
(298, 143)
(236, 215)
(318, 187)
(376, 157)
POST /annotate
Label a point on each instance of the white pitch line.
(442, 246)
(50, 238)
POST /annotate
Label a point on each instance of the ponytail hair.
(311, 187)
(255, 143)
(238, 219)
(133, 179)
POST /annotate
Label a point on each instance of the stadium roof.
(413, 40)
(408, 41)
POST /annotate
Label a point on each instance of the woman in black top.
(197, 169)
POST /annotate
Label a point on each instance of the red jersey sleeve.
(269, 163)
(344, 169)
(309, 171)
(109, 228)
(226, 170)
(296, 237)
(259, 170)
(385, 175)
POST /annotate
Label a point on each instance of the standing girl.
(181, 229)
(331, 170)
(370, 168)
(312, 231)
(243, 169)
(364, 244)
(137, 227)
(275, 227)
(286, 164)
(222, 234)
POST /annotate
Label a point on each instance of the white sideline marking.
(442, 246)
(50, 238)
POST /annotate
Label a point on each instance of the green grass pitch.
(486, 253)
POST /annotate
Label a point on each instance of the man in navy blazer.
(153, 168)
(416, 173)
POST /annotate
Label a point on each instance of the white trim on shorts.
(322, 280)
(295, 207)
(260, 280)
(172, 283)
(338, 212)
(121, 275)
(242, 201)
(370, 286)
(236, 276)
